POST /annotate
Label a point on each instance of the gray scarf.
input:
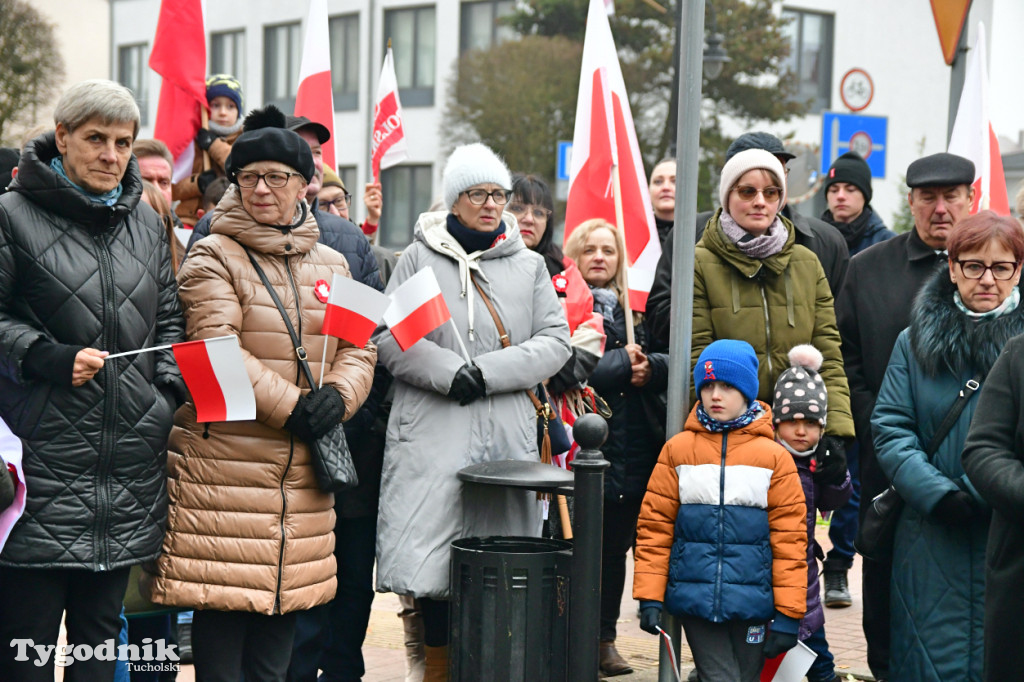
(758, 248)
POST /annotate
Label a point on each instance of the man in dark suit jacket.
(872, 308)
(823, 239)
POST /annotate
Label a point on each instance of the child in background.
(799, 407)
(721, 541)
(224, 95)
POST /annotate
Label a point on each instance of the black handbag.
(877, 531)
(332, 461)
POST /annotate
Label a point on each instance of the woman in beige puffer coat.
(250, 536)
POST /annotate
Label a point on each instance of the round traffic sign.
(860, 142)
(856, 89)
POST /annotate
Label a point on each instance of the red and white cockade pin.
(322, 290)
(499, 239)
(561, 283)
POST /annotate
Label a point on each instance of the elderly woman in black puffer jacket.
(629, 379)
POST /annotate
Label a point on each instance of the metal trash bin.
(510, 609)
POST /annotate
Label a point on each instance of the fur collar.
(943, 338)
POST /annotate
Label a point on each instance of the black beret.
(266, 139)
(940, 170)
(851, 169)
(759, 140)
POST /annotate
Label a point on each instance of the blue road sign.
(564, 154)
(841, 133)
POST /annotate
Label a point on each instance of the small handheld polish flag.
(417, 308)
(353, 310)
(216, 376)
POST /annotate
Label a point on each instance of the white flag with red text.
(315, 96)
(387, 146)
(417, 308)
(604, 137)
(353, 310)
(10, 459)
(973, 137)
(214, 371)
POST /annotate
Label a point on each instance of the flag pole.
(204, 121)
(624, 259)
(458, 336)
(323, 363)
(136, 352)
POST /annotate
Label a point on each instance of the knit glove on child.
(782, 636)
(650, 615)
(830, 461)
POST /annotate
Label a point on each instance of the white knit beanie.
(473, 164)
(745, 161)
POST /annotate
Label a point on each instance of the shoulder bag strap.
(969, 389)
(543, 409)
(300, 352)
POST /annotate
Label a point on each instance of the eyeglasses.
(975, 269)
(341, 202)
(540, 214)
(747, 193)
(478, 197)
(275, 179)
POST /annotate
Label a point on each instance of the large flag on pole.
(214, 371)
(388, 146)
(973, 137)
(604, 137)
(179, 56)
(315, 96)
(417, 308)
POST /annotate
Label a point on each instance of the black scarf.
(472, 240)
(664, 227)
(853, 231)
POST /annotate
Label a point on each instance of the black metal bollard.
(590, 431)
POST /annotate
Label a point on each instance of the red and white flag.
(10, 459)
(973, 137)
(790, 666)
(215, 373)
(417, 308)
(315, 96)
(605, 137)
(179, 56)
(353, 310)
(388, 146)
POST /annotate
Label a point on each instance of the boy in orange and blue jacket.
(722, 541)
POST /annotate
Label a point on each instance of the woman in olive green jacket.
(753, 282)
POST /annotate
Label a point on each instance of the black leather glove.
(955, 508)
(830, 461)
(204, 138)
(298, 420)
(468, 385)
(204, 179)
(778, 643)
(325, 410)
(649, 619)
(7, 486)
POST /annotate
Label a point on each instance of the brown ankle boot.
(436, 664)
(611, 662)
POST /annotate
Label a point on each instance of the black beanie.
(852, 169)
(264, 138)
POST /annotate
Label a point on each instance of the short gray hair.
(106, 100)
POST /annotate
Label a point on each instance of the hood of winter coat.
(718, 243)
(943, 337)
(230, 218)
(37, 181)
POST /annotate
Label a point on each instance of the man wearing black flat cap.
(872, 308)
(821, 238)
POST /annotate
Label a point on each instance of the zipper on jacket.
(767, 330)
(716, 615)
(108, 434)
(291, 446)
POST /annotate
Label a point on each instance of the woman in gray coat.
(449, 413)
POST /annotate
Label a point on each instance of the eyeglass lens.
(274, 179)
(747, 192)
(975, 269)
(478, 197)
